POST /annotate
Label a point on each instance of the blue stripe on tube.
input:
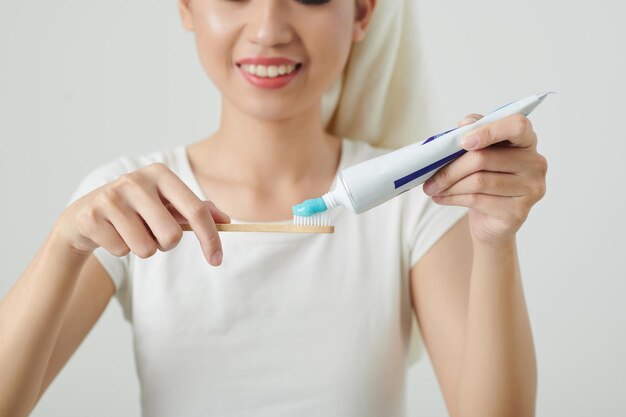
(423, 171)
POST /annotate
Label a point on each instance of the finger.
(509, 211)
(487, 204)
(104, 234)
(159, 221)
(506, 160)
(218, 215)
(492, 183)
(196, 212)
(515, 130)
(131, 228)
(469, 119)
(180, 219)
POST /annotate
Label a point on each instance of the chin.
(271, 112)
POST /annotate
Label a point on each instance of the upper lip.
(266, 61)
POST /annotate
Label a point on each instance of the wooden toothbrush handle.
(266, 227)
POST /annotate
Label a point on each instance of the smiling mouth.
(270, 71)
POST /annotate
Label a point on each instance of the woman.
(288, 324)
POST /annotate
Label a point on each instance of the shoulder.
(112, 169)
(129, 163)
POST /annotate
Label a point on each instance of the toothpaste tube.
(372, 182)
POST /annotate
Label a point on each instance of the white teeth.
(270, 71)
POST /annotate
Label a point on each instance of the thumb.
(218, 215)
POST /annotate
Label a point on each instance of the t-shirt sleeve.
(116, 267)
(428, 222)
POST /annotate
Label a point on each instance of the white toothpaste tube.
(372, 182)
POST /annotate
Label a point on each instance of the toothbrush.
(372, 182)
(269, 227)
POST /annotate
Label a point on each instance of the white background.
(83, 82)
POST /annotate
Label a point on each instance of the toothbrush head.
(313, 212)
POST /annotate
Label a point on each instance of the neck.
(271, 154)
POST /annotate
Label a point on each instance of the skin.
(275, 137)
(466, 291)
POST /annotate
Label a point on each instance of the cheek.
(215, 32)
(329, 38)
(329, 48)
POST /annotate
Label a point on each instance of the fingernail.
(469, 142)
(430, 187)
(216, 259)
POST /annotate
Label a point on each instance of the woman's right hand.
(140, 212)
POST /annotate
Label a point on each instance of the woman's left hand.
(499, 179)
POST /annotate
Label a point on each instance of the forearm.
(31, 315)
(498, 376)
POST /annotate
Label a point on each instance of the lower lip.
(276, 82)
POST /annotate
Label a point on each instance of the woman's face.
(308, 40)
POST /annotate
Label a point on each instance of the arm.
(467, 289)
(91, 295)
(31, 317)
(56, 301)
(470, 306)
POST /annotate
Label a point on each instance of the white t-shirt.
(289, 324)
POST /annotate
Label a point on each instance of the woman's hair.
(378, 97)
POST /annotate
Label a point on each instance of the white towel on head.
(378, 97)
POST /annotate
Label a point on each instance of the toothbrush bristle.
(318, 219)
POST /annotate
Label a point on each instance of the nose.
(269, 23)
